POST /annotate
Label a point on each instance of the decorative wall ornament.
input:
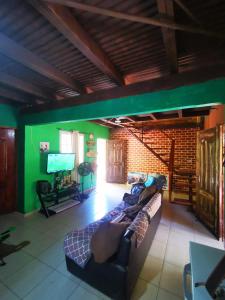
(91, 153)
(91, 142)
(44, 147)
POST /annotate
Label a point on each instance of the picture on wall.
(44, 147)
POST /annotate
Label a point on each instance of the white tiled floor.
(38, 272)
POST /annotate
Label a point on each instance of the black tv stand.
(59, 199)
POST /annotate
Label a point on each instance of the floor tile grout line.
(11, 290)
(46, 278)
(32, 288)
(178, 296)
(164, 261)
(167, 223)
(21, 266)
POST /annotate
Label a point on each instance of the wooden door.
(7, 170)
(209, 202)
(115, 172)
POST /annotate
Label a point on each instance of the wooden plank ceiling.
(178, 118)
(58, 51)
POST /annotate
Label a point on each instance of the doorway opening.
(101, 162)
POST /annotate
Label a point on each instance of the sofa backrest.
(128, 239)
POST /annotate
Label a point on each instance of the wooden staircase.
(181, 181)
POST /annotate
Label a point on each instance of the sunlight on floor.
(39, 271)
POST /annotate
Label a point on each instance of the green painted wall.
(203, 94)
(35, 164)
(8, 116)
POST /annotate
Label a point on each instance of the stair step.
(183, 192)
(183, 176)
(186, 172)
(184, 185)
(163, 154)
(185, 202)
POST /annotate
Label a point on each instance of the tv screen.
(60, 162)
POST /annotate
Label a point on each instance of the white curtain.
(69, 143)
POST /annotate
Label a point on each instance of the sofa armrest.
(123, 254)
(128, 234)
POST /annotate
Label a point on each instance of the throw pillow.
(147, 194)
(150, 181)
(130, 199)
(132, 211)
(137, 188)
(106, 239)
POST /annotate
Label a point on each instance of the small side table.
(203, 260)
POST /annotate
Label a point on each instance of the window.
(72, 142)
(80, 148)
(66, 141)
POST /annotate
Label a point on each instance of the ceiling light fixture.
(117, 121)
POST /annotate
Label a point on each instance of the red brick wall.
(141, 160)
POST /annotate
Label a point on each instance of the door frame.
(220, 202)
(16, 163)
(221, 184)
(124, 143)
(105, 158)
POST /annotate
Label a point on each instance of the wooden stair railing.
(174, 171)
(183, 187)
(139, 135)
(171, 169)
(146, 145)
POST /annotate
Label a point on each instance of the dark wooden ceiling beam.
(14, 96)
(24, 86)
(139, 19)
(10, 102)
(131, 119)
(152, 116)
(25, 57)
(170, 123)
(102, 123)
(180, 113)
(66, 23)
(193, 113)
(187, 11)
(157, 84)
(112, 123)
(166, 9)
(147, 116)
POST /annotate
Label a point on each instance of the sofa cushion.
(132, 211)
(137, 188)
(106, 239)
(150, 181)
(147, 194)
(130, 199)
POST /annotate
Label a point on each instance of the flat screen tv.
(60, 162)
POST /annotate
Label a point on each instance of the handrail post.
(171, 166)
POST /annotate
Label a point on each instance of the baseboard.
(31, 213)
(90, 190)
